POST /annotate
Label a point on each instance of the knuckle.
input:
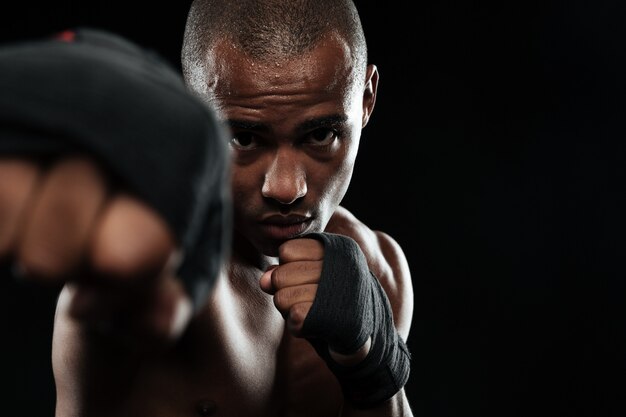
(301, 249)
(278, 277)
(61, 215)
(287, 298)
(129, 241)
(44, 253)
(304, 267)
(285, 250)
(281, 299)
(17, 181)
(56, 236)
(41, 262)
(15, 174)
(311, 269)
(77, 181)
(107, 260)
(316, 249)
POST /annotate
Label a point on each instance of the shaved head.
(267, 30)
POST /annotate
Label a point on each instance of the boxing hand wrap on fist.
(94, 93)
(350, 306)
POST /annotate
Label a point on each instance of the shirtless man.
(275, 337)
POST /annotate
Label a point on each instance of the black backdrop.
(495, 157)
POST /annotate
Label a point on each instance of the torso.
(236, 359)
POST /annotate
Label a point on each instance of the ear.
(369, 93)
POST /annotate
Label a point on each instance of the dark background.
(495, 157)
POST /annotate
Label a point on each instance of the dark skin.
(296, 129)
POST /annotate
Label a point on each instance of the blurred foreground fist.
(112, 176)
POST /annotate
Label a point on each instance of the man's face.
(295, 127)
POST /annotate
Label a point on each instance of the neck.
(245, 268)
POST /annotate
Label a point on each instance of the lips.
(279, 227)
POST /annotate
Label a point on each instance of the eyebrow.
(307, 125)
(327, 121)
(246, 125)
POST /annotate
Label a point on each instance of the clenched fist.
(325, 290)
(67, 224)
(114, 238)
(294, 285)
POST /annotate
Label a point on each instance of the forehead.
(232, 73)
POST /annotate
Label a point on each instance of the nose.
(285, 180)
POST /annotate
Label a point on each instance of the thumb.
(266, 280)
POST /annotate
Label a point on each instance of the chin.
(267, 248)
(271, 252)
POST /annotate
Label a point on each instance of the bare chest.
(237, 360)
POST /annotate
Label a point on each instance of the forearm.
(397, 406)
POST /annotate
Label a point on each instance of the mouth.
(279, 227)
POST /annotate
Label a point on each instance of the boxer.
(311, 309)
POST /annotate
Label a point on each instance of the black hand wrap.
(350, 306)
(127, 109)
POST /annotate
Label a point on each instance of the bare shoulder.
(386, 260)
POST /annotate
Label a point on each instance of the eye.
(244, 141)
(322, 137)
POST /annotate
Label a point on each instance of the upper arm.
(396, 281)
